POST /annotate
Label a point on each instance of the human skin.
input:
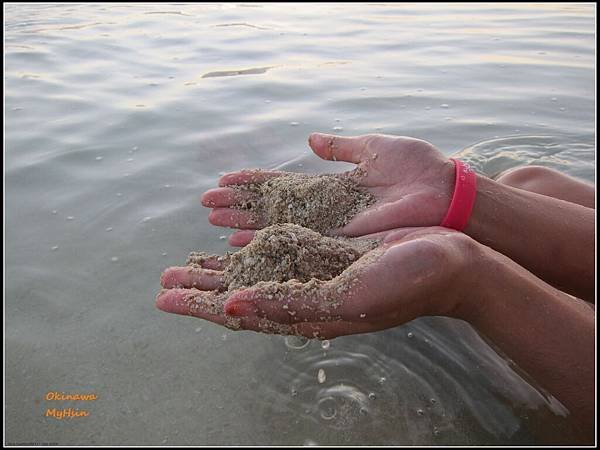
(413, 182)
(426, 272)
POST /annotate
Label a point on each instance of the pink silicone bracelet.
(463, 198)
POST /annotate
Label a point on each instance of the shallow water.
(119, 116)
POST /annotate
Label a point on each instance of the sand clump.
(318, 202)
(287, 251)
(283, 260)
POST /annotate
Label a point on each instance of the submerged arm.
(552, 238)
(548, 333)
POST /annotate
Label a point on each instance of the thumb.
(338, 148)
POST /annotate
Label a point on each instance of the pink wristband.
(463, 198)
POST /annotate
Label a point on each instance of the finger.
(193, 302)
(192, 277)
(234, 218)
(248, 176)
(392, 235)
(241, 238)
(213, 262)
(407, 212)
(338, 148)
(225, 196)
(288, 303)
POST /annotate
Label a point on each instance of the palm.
(395, 283)
(409, 178)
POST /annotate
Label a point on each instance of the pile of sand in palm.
(298, 257)
(287, 251)
(318, 202)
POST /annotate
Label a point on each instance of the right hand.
(411, 180)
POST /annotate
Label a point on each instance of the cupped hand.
(410, 179)
(414, 272)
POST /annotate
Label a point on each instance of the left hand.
(415, 272)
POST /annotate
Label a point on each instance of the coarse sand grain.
(319, 202)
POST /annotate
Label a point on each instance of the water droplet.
(109, 229)
(294, 392)
(135, 148)
(294, 124)
(99, 158)
(372, 396)
(146, 219)
(363, 315)
(420, 412)
(164, 253)
(222, 237)
(54, 211)
(167, 185)
(436, 431)
(267, 101)
(562, 109)
(114, 259)
(321, 377)
(432, 401)
(129, 159)
(70, 218)
(382, 380)
(444, 105)
(296, 342)
(325, 344)
(410, 334)
(338, 128)
(553, 99)
(55, 247)
(224, 337)
(363, 411)
(327, 408)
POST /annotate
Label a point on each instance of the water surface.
(118, 116)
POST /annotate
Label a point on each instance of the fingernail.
(243, 308)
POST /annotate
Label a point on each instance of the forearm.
(552, 238)
(547, 333)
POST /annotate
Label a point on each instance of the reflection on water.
(564, 153)
(118, 116)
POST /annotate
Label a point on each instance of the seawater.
(118, 117)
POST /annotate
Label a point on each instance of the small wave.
(233, 73)
(242, 24)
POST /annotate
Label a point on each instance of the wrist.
(476, 282)
(465, 265)
(489, 198)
